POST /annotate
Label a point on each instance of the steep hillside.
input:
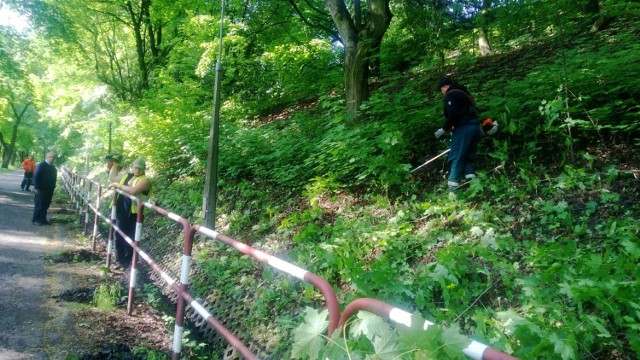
(536, 257)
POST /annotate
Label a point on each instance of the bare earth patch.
(93, 333)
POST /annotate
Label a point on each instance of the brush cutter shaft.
(431, 160)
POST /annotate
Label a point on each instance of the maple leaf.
(369, 325)
(563, 347)
(386, 347)
(309, 336)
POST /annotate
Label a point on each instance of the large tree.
(15, 91)
(361, 30)
(18, 112)
(146, 42)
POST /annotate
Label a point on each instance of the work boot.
(453, 186)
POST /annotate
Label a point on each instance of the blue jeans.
(26, 181)
(464, 145)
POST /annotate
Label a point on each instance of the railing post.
(87, 208)
(75, 198)
(95, 219)
(81, 197)
(112, 232)
(134, 258)
(73, 189)
(184, 287)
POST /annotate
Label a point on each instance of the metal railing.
(79, 197)
(475, 350)
(80, 190)
(321, 284)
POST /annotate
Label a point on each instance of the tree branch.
(335, 36)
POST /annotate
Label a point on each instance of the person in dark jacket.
(461, 119)
(125, 221)
(44, 183)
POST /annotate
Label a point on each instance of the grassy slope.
(538, 258)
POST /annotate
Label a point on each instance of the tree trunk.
(483, 38)
(359, 33)
(14, 156)
(356, 77)
(137, 22)
(9, 148)
(5, 158)
(483, 43)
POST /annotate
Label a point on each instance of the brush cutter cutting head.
(487, 125)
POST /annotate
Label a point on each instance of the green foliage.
(151, 295)
(538, 259)
(106, 296)
(309, 335)
(556, 277)
(371, 337)
(148, 354)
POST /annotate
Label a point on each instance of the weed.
(105, 296)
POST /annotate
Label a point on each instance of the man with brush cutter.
(461, 119)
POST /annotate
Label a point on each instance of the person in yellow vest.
(138, 185)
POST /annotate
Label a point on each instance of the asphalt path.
(25, 289)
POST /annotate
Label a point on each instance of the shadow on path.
(32, 323)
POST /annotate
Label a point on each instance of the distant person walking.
(461, 119)
(29, 166)
(138, 185)
(44, 183)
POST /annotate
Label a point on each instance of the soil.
(49, 275)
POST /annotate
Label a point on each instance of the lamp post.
(109, 152)
(211, 180)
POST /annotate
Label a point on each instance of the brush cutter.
(431, 160)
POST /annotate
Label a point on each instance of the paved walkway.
(26, 289)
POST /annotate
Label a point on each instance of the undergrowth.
(536, 257)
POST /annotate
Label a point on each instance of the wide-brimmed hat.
(139, 163)
(117, 157)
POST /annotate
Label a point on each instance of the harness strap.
(473, 103)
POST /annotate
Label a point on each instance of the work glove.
(439, 133)
(494, 129)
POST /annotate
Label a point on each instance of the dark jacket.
(459, 108)
(45, 177)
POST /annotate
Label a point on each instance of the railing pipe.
(219, 328)
(321, 284)
(474, 350)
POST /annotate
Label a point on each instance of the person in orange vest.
(29, 166)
